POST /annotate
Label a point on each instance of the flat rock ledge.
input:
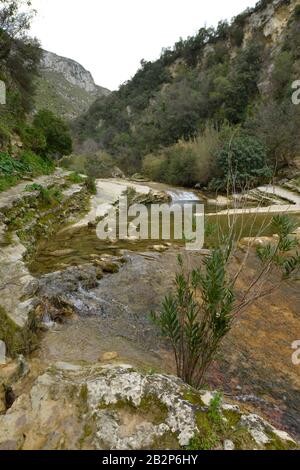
(117, 407)
(22, 223)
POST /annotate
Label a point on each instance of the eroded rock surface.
(118, 407)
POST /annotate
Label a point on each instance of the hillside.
(232, 80)
(65, 87)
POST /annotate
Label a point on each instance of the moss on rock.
(18, 340)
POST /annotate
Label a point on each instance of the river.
(113, 315)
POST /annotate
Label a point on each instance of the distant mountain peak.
(65, 86)
(74, 72)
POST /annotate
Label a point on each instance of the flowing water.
(113, 316)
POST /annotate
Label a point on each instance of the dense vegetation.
(162, 120)
(26, 148)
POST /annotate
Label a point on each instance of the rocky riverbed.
(92, 302)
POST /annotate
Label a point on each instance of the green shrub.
(7, 182)
(214, 410)
(98, 165)
(199, 313)
(242, 163)
(12, 166)
(34, 139)
(152, 167)
(56, 133)
(27, 164)
(75, 178)
(282, 74)
(187, 162)
(36, 164)
(33, 187)
(90, 184)
(297, 12)
(4, 136)
(50, 196)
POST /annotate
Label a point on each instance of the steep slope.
(239, 73)
(65, 87)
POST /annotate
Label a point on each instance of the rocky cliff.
(227, 74)
(65, 86)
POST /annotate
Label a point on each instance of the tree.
(243, 78)
(201, 311)
(13, 21)
(56, 132)
(277, 126)
(242, 162)
(34, 139)
(19, 54)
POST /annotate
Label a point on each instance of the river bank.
(95, 301)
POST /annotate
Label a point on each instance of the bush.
(56, 133)
(185, 163)
(51, 196)
(27, 164)
(282, 74)
(36, 164)
(153, 167)
(99, 165)
(90, 184)
(200, 311)
(4, 137)
(242, 163)
(12, 166)
(34, 139)
(297, 12)
(277, 126)
(75, 178)
(48, 196)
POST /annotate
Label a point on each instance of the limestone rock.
(61, 253)
(228, 445)
(159, 248)
(109, 356)
(117, 407)
(256, 241)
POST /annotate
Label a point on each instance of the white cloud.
(110, 37)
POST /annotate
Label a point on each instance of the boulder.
(109, 356)
(117, 173)
(116, 407)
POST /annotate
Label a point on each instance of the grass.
(215, 426)
(28, 164)
(18, 340)
(7, 182)
(48, 196)
(214, 409)
(75, 178)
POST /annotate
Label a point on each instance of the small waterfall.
(100, 300)
(180, 195)
(46, 320)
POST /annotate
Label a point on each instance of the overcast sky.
(110, 37)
